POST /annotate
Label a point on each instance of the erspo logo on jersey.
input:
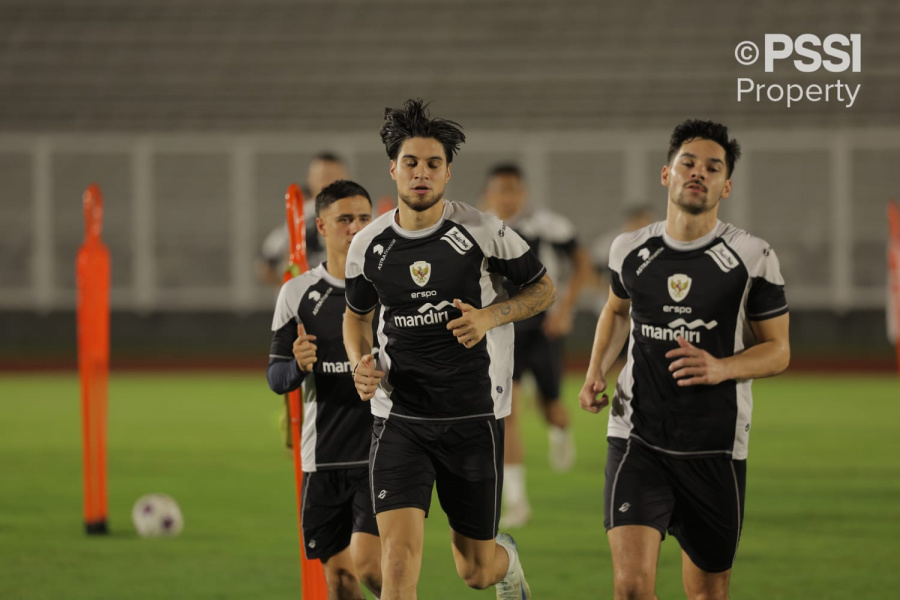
(429, 314)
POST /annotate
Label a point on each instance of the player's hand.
(558, 323)
(304, 349)
(695, 366)
(366, 377)
(471, 326)
(590, 398)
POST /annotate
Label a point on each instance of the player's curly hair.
(693, 129)
(414, 120)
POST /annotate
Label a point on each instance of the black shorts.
(535, 352)
(465, 460)
(335, 506)
(700, 501)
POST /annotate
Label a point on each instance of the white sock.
(558, 435)
(512, 560)
(514, 484)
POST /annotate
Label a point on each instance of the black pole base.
(96, 528)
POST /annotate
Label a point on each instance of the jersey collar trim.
(693, 244)
(422, 232)
(322, 271)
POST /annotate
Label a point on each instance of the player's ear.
(664, 176)
(448, 172)
(726, 191)
(394, 170)
(320, 226)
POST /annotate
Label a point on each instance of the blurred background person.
(634, 216)
(594, 296)
(539, 339)
(325, 168)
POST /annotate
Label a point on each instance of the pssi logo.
(780, 46)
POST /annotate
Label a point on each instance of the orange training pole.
(312, 576)
(893, 210)
(92, 268)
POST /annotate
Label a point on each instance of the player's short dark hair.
(501, 169)
(414, 121)
(340, 189)
(692, 129)
(328, 157)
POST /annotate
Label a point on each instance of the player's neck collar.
(422, 232)
(693, 244)
(331, 279)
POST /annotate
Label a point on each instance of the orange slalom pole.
(893, 256)
(92, 270)
(312, 575)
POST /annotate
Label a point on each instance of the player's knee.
(705, 593)
(476, 576)
(369, 572)
(344, 585)
(474, 572)
(634, 586)
(397, 559)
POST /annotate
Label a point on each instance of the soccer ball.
(157, 515)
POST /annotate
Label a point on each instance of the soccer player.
(538, 347)
(323, 169)
(702, 305)
(441, 385)
(307, 350)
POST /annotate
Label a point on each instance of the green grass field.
(822, 517)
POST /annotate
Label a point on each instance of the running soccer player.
(539, 339)
(702, 305)
(441, 385)
(307, 350)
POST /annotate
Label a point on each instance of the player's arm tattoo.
(532, 299)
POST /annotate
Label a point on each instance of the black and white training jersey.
(337, 425)
(553, 239)
(415, 275)
(706, 291)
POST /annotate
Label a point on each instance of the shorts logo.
(457, 240)
(499, 389)
(624, 508)
(420, 272)
(723, 257)
(382, 494)
(312, 543)
(679, 286)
